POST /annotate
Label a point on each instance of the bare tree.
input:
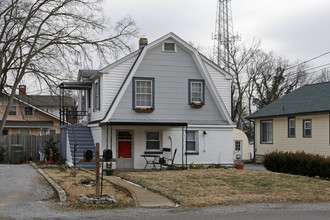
(239, 57)
(323, 77)
(259, 78)
(276, 80)
(45, 38)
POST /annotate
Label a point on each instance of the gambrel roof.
(202, 63)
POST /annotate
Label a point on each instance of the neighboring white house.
(166, 95)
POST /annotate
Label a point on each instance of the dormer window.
(169, 47)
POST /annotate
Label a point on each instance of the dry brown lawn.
(211, 187)
(66, 180)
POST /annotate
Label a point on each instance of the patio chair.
(168, 162)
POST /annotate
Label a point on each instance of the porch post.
(182, 144)
(186, 148)
(111, 137)
(107, 135)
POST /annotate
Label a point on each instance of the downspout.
(171, 145)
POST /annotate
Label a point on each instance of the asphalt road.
(24, 194)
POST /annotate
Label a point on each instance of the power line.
(314, 58)
(316, 67)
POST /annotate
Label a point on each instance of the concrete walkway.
(141, 196)
(257, 167)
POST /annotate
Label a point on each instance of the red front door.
(124, 144)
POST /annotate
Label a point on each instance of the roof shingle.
(309, 99)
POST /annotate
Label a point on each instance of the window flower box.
(144, 110)
(196, 104)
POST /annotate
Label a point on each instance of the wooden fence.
(31, 145)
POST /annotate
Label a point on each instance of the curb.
(60, 192)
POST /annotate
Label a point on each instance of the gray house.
(163, 98)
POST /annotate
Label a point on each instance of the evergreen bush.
(50, 144)
(298, 163)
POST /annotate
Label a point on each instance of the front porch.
(129, 141)
(195, 144)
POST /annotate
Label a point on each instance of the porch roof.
(76, 85)
(152, 123)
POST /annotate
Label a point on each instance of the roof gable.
(199, 63)
(309, 99)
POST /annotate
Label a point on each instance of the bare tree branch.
(46, 38)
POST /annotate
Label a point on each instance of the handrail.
(74, 145)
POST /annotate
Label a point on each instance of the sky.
(294, 29)
(297, 30)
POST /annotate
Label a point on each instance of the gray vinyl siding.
(222, 84)
(171, 72)
(110, 84)
(95, 113)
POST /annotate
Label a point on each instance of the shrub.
(298, 163)
(50, 143)
(213, 166)
(196, 166)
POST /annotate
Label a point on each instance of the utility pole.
(224, 37)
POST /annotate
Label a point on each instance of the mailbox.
(107, 154)
(88, 154)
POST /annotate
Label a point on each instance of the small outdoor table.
(150, 159)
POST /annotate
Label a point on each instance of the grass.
(211, 187)
(66, 180)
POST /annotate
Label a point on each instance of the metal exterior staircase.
(81, 138)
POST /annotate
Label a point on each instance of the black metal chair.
(168, 162)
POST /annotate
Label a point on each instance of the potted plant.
(108, 170)
(238, 163)
(196, 104)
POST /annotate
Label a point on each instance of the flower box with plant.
(144, 110)
(196, 104)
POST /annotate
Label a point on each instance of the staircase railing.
(74, 145)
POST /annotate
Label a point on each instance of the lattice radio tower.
(224, 37)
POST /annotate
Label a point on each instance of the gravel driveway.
(23, 190)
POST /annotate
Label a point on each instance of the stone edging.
(60, 192)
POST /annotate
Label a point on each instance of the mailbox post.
(97, 161)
